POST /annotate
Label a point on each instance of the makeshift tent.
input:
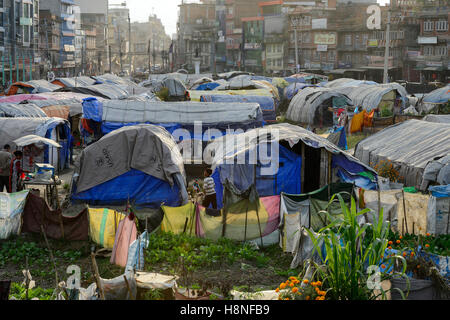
(206, 86)
(11, 208)
(33, 86)
(409, 145)
(267, 104)
(21, 110)
(177, 90)
(74, 82)
(21, 97)
(436, 171)
(312, 106)
(55, 129)
(139, 164)
(174, 115)
(271, 158)
(436, 97)
(106, 91)
(195, 95)
(437, 118)
(56, 225)
(347, 82)
(372, 97)
(339, 138)
(291, 90)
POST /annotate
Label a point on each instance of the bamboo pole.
(97, 277)
(128, 287)
(404, 212)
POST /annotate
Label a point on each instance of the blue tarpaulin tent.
(441, 95)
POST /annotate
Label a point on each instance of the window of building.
(331, 55)
(441, 51)
(279, 48)
(442, 25)
(428, 25)
(316, 55)
(279, 63)
(428, 50)
(348, 39)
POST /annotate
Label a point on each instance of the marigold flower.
(427, 245)
(323, 293)
(294, 290)
(319, 283)
(277, 290)
(305, 281)
(292, 278)
(283, 285)
(383, 266)
(287, 299)
(401, 237)
(404, 254)
(390, 242)
(398, 241)
(428, 234)
(418, 266)
(291, 284)
(412, 254)
(318, 298)
(390, 248)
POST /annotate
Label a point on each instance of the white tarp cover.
(77, 81)
(41, 86)
(21, 110)
(32, 139)
(438, 215)
(148, 148)
(305, 103)
(15, 128)
(438, 118)
(409, 145)
(11, 208)
(179, 112)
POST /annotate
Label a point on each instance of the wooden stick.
(128, 287)
(51, 256)
(448, 215)
(27, 280)
(404, 212)
(97, 277)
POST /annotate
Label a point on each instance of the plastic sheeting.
(230, 148)
(197, 94)
(267, 104)
(294, 88)
(74, 82)
(308, 105)
(103, 224)
(438, 215)
(106, 91)
(410, 146)
(441, 118)
(11, 208)
(438, 96)
(21, 110)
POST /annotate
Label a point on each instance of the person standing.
(16, 172)
(210, 190)
(5, 163)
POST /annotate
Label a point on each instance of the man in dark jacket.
(5, 164)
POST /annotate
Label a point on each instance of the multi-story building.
(94, 18)
(197, 35)
(149, 43)
(19, 40)
(312, 25)
(64, 11)
(118, 37)
(236, 10)
(434, 40)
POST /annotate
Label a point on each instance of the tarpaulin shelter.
(74, 82)
(173, 115)
(106, 91)
(10, 110)
(291, 90)
(409, 145)
(11, 208)
(55, 224)
(347, 82)
(267, 104)
(283, 158)
(436, 171)
(206, 86)
(140, 164)
(438, 214)
(21, 97)
(55, 129)
(441, 118)
(434, 100)
(376, 97)
(312, 106)
(29, 87)
(195, 95)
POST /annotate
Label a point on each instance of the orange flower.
(294, 290)
(291, 285)
(390, 242)
(398, 241)
(401, 237)
(283, 285)
(305, 281)
(412, 254)
(308, 297)
(292, 278)
(428, 234)
(418, 266)
(318, 298)
(404, 254)
(277, 290)
(389, 247)
(287, 299)
(427, 245)
(383, 266)
(319, 283)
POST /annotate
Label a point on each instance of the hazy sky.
(166, 10)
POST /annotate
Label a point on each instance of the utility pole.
(386, 53)
(149, 56)
(129, 43)
(110, 59)
(295, 22)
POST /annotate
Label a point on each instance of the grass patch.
(354, 139)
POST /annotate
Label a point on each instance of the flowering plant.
(386, 169)
(296, 289)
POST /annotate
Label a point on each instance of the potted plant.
(423, 280)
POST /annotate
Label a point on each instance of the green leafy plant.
(348, 254)
(19, 292)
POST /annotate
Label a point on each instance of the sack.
(103, 224)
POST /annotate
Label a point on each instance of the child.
(210, 190)
(16, 172)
